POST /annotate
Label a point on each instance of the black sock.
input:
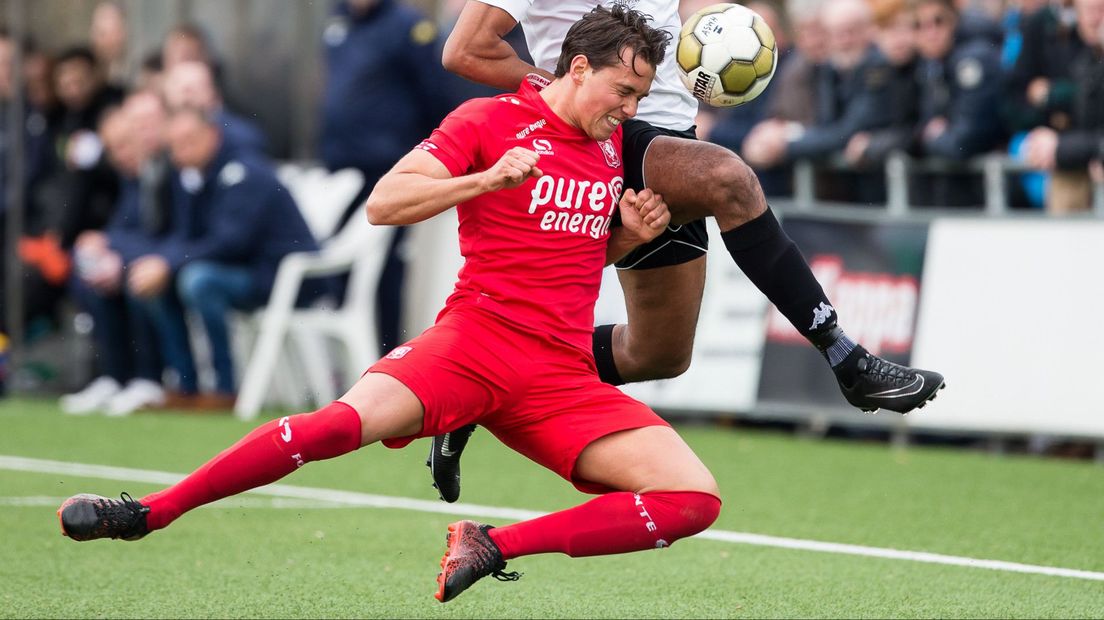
(771, 260)
(603, 355)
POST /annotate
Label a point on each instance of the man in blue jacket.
(233, 224)
(385, 91)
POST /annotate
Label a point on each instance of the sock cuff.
(602, 344)
(840, 349)
(752, 233)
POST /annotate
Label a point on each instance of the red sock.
(272, 451)
(613, 523)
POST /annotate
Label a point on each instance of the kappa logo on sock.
(399, 353)
(821, 314)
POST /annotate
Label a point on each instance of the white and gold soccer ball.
(726, 54)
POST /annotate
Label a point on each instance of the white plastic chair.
(322, 196)
(359, 249)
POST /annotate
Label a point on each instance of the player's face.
(609, 96)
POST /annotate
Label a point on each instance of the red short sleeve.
(457, 142)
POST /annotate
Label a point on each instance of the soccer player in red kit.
(538, 178)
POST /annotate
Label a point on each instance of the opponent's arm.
(644, 216)
(476, 50)
(420, 186)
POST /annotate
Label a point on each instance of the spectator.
(236, 222)
(84, 185)
(1013, 21)
(108, 39)
(123, 335)
(850, 89)
(191, 84)
(895, 37)
(1068, 153)
(793, 96)
(960, 89)
(383, 95)
(1040, 84)
(729, 126)
(186, 43)
(77, 189)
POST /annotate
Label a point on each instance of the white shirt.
(545, 23)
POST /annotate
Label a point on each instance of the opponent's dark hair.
(603, 33)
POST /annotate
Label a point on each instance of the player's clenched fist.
(644, 214)
(513, 168)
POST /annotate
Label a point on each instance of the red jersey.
(533, 254)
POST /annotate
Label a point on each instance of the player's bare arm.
(420, 186)
(644, 216)
(476, 50)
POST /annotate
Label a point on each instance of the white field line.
(333, 498)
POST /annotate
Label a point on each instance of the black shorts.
(677, 244)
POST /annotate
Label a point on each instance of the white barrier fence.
(1009, 310)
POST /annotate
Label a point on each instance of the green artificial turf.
(249, 559)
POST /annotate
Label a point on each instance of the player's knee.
(657, 363)
(735, 197)
(331, 431)
(687, 512)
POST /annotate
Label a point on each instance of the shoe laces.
(492, 557)
(882, 370)
(125, 512)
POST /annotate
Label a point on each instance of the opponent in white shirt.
(663, 281)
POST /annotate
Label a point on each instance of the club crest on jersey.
(612, 159)
(542, 146)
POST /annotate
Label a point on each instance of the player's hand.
(644, 214)
(515, 167)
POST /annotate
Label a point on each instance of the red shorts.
(539, 396)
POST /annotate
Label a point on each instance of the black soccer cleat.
(471, 556)
(880, 384)
(444, 461)
(88, 517)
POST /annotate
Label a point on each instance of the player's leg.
(699, 179)
(663, 492)
(662, 305)
(378, 406)
(656, 490)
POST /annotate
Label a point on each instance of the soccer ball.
(726, 54)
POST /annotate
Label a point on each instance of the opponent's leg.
(666, 494)
(657, 342)
(699, 179)
(378, 406)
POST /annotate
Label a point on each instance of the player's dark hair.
(603, 33)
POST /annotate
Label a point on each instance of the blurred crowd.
(147, 198)
(937, 79)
